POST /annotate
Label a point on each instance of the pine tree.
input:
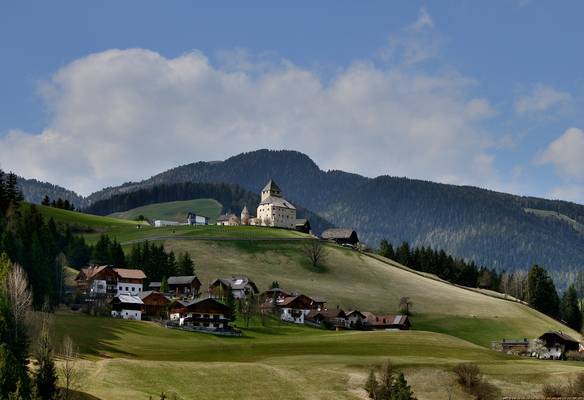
(371, 385)
(569, 309)
(164, 285)
(185, 266)
(46, 201)
(401, 390)
(541, 292)
(386, 249)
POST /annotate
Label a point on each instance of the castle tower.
(245, 216)
(271, 189)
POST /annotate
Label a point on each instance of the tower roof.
(245, 210)
(271, 186)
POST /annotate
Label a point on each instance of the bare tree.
(506, 283)
(69, 368)
(405, 304)
(247, 307)
(19, 295)
(315, 252)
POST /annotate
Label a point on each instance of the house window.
(133, 289)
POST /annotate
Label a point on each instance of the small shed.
(302, 225)
(341, 236)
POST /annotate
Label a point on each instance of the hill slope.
(174, 210)
(348, 278)
(487, 227)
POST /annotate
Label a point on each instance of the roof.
(300, 221)
(90, 272)
(271, 186)
(561, 335)
(389, 319)
(328, 314)
(278, 202)
(356, 312)
(181, 280)
(130, 273)
(277, 290)
(236, 282)
(129, 299)
(155, 284)
(245, 210)
(338, 233)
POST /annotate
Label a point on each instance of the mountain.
(34, 191)
(491, 228)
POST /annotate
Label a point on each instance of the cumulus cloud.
(541, 98)
(566, 154)
(127, 114)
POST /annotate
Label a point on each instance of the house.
(228, 220)
(154, 304)
(302, 225)
(296, 308)
(513, 346)
(194, 219)
(127, 306)
(557, 344)
(184, 285)
(97, 281)
(355, 319)
(202, 314)
(154, 286)
(274, 210)
(341, 236)
(333, 318)
(239, 286)
(130, 281)
(159, 223)
(389, 322)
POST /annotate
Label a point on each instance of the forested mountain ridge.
(34, 191)
(490, 228)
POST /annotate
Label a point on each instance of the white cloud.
(568, 192)
(127, 114)
(541, 98)
(424, 21)
(566, 154)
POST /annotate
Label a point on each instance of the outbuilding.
(341, 236)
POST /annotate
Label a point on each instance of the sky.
(489, 94)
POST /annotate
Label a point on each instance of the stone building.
(274, 210)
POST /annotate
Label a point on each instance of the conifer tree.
(569, 309)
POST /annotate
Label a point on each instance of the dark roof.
(236, 282)
(278, 202)
(181, 280)
(561, 335)
(338, 233)
(155, 284)
(271, 186)
(390, 319)
(357, 312)
(277, 290)
(147, 293)
(327, 314)
(301, 221)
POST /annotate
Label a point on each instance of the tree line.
(59, 203)
(536, 287)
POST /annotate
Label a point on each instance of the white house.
(130, 281)
(127, 307)
(274, 210)
(194, 219)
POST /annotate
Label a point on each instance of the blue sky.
(487, 94)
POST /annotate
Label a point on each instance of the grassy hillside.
(92, 226)
(174, 210)
(128, 359)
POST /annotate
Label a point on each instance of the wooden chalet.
(334, 318)
(390, 322)
(341, 236)
(155, 304)
(296, 308)
(203, 314)
(127, 306)
(97, 281)
(238, 286)
(184, 285)
(355, 319)
(558, 343)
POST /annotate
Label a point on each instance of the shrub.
(468, 375)
(486, 391)
(574, 356)
(553, 391)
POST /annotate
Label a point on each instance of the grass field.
(92, 226)
(174, 210)
(128, 359)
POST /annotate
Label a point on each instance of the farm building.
(203, 314)
(557, 344)
(296, 308)
(302, 225)
(228, 220)
(239, 286)
(333, 318)
(127, 307)
(194, 219)
(184, 285)
(391, 322)
(154, 304)
(159, 223)
(341, 236)
(130, 281)
(355, 319)
(513, 346)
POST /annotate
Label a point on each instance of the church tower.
(245, 216)
(271, 190)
